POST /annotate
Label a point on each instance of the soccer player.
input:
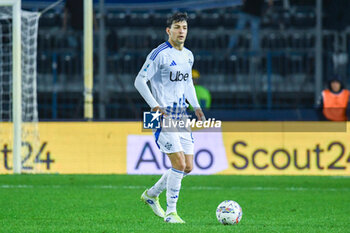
(169, 70)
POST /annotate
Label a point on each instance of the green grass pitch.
(111, 203)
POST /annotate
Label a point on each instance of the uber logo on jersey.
(178, 76)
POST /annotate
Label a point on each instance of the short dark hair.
(176, 17)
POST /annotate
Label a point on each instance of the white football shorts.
(171, 142)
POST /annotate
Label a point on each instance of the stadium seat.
(159, 19)
(193, 20)
(231, 67)
(130, 64)
(50, 19)
(310, 41)
(271, 21)
(114, 64)
(44, 64)
(205, 63)
(296, 40)
(210, 20)
(130, 36)
(222, 41)
(244, 41)
(211, 41)
(328, 41)
(264, 41)
(229, 20)
(69, 64)
(112, 41)
(303, 18)
(140, 20)
(116, 19)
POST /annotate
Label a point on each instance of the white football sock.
(173, 189)
(161, 184)
(159, 187)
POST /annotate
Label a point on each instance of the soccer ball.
(229, 212)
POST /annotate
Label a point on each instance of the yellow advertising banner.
(75, 147)
(288, 148)
(248, 148)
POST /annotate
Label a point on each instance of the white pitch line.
(340, 177)
(257, 188)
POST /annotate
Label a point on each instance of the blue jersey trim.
(156, 135)
(174, 110)
(158, 50)
(167, 42)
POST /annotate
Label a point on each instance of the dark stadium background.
(280, 85)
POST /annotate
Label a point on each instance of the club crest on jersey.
(178, 76)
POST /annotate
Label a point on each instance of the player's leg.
(163, 140)
(183, 161)
(187, 143)
(168, 143)
(189, 164)
(160, 186)
(151, 196)
(178, 163)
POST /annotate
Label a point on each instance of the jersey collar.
(167, 42)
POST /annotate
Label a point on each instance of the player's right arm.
(148, 70)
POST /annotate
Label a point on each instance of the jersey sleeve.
(192, 57)
(150, 67)
(190, 92)
(191, 95)
(148, 70)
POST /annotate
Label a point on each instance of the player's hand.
(200, 115)
(160, 110)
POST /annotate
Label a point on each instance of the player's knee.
(188, 168)
(178, 161)
(181, 165)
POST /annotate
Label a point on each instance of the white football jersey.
(170, 73)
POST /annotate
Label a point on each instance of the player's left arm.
(191, 96)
